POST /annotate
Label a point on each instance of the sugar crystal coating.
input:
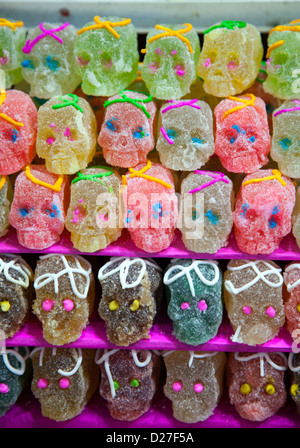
(169, 66)
(242, 138)
(256, 383)
(12, 39)
(65, 294)
(291, 297)
(185, 139)
(131, 297)
(207, 203)
(67, 134)
(6, 198)
(253, 300)
(194, 383)
(72, 368)
(93, 212)
(194, 293)
(230, 58)
(294, 379)
(129, 379)
(106, 55)
(127, 134)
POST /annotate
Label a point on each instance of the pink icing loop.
(4, 389)
(270, 311)
(247, 309)
(42, 383)
(202, 305)
(64, 383)
(68, 304)
(177, 386)
(30, 44)
(198, 388)
(185, 305)
(48, 304)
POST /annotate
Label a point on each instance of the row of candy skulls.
(103, 56)
(257, 382)
(259, 299)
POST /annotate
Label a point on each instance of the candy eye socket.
(247, 310)
(198, 140)
(135, 305)
(113, 305)
(285, 143)
(116, 385)
(202, 305)
(52, 63)
(134, 383)
(83, 59)
(4, 306)
(27, 63)
(212, 217)
(271, 312)
(64, 383)
(4, 389)
(25, 211)
(48, 304)
(272, 220)
(184, 306)
(68, 304)
(171, 133)
(198, 388)
(52, 211)
(211, 59)
(153, 66)
(79, 213)
(42, 383)
(4, 56)
(245, 388)
(139, 132)
(112, 125)
(179, 70)
(251, 139)
(107, 63)
(177, 386)
(270, 389)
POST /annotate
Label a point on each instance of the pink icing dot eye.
(64, 383)
(202, 305)
(185, 305)
(50, 140)
(247, 309)
(68, 304)
(198, 388)
(177, 386)
(42, 383)
(270, 311)
(48, 304)
(4, 388)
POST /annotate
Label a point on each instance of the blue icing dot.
(139, 133)
(54, 212)
(25, 211)
(252, 139)
(285, 143)
(211, 217)
(14, 135)
(171, 133)
(245, 208)
(235, 126)
(272, 222)
(27, 64)
(53, 64)
(111, 125)
(198, 140)
(232, 140)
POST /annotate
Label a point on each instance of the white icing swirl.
(23, 269)
(263, 356)
(17, 371)
(291, 286)
(60, 371)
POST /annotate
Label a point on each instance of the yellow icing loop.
(12, 25)
(2, 182)
(55, 187)
(287, 27)
(106, 24)
(273, 46)
(140, 173)
(172, 33)
(4, 116)
(276, 175)
(240, 100)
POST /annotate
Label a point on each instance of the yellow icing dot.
(294, 389)
(135, 305)
(113, 305)
(245, 389)
(270, 389)
(5, 305)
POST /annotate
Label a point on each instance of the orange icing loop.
(276, 175)
(273, 46)
(240, 100)
(106, 24)
(140, 173)
(2, 182)
(287, 27)
(55, 187)
(172, 33)
(12, 25)
(4, 116)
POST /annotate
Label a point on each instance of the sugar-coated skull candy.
(65, 294)
(263, 211)
(256, 383)
(6, 198)
(39, 206)
(294, 378)
(16, 278)
(12, 39)
(194, 383)
(48, 60)
(291, 295)
(18, 130)
(131, 297)
(128, 129)
(64, 380)
(128, 381)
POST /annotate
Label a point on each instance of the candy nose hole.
(123, 140)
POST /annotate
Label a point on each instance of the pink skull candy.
(150, 206)
(18, 129)
(127, 132)
(263, 211)
(39, 207)
(242, 139)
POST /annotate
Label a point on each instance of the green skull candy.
(106, 55)
(12, 39)
(169, 66)
(283, 61)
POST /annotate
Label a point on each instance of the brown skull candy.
(128, 381)
(64, 380)
(194, 383)
(16, 279)
(256, 383)
(65, 293)
(131, 296)
(294, 378)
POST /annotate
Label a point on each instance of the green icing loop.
(73, 102)
(135, 101)
(93, 177)
(229, 24)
